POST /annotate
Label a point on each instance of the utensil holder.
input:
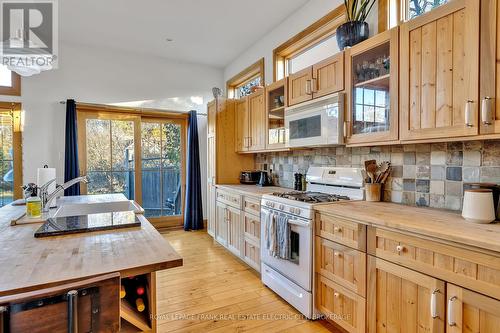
(373, 192)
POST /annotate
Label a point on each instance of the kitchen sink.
(95, 204)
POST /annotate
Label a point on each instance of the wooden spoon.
(371, 168)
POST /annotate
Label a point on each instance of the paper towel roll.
(43, 175)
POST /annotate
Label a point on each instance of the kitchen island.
(28, 263)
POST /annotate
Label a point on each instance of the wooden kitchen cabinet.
(276, 101)
(242, 125)
(211, 117)
(471, 312)
(372, 90)
(257, 122)
(299, 86)
(439, 76)
(234, 217)
(221, 218)
(401, 300)
(328, 76)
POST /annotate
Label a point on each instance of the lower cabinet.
(237, 225)
(471, 312)
(402, 300)
(340, 305)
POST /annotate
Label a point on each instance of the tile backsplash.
(423, 174)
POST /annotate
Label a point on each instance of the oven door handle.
(299, 223)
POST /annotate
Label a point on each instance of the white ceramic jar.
(478, 206)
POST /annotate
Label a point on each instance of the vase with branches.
(356, 29)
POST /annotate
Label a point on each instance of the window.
(419, 7)
(10, 82)
(139, 154)
(241, 84)
(315, 43)
(10, 153)
(314, 54)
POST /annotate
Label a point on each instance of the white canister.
(478, 206)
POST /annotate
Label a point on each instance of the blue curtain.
(71, 169)
(193, 213)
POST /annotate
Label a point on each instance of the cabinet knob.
(336, 294)
(337, 229)
(400, 248)
(337, 254)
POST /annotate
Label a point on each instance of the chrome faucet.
(47, 198)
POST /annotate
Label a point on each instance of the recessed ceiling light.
(169, 39)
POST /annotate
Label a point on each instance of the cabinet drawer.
(231, 199)
(251, 225)
(251, 205)
(251, 254)
(341, 264)
(474, 270)
(340, 305)
(341, 230)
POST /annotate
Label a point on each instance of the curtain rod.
(198, 114)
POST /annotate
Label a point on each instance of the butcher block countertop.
(252, 190)
(436, 223)
(29, 263)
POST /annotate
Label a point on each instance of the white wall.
(104, 76)
(295, 23)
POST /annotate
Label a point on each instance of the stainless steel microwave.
(315, 123)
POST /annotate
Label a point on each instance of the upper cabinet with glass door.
(372, 90)
(276, 101)
(440, 70)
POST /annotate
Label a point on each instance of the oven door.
(315, 124)
(299, 268)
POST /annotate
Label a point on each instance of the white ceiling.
(206, 32)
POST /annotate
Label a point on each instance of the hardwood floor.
(216, 292)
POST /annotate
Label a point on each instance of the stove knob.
(297, 211)
(282, 207)
(292, 210)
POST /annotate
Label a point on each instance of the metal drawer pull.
(72, 311)
(469, 121)
(314, 84)
(451, 322)
(486, 111)
(434, 313)
(400, 248)
(308, 87)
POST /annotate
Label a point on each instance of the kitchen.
(347, 181)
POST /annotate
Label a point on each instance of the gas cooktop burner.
(313, 197)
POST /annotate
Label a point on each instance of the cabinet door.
(440, 72)
(404, 301)
(372, 94)
(471, 312)
(257, 112)
(221, 218)
(211, 117)
(489, 118)
(300, 86)
(211, 210)
(234, 233)
(328, 76)
(242, 126)
(251, 253)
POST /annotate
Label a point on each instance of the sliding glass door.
(142, 157)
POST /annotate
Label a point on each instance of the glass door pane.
(6, 159)
(161, 168)
(110, 156)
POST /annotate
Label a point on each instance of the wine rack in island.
(138, 302)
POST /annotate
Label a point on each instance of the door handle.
(434, 313)
(308, 87)
(469, 118)
(451, 322)
(314, 84)
(486, 111)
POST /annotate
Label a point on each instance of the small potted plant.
(355, 30)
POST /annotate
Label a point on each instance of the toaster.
(249, 177)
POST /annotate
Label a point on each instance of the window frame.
(314, 34)
(95, 111)
(248, 74)
(392, 13)
(17, 145)
(15, 89)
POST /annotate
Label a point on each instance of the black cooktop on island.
(312, 197)
(86, 223)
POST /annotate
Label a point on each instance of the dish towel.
(271, 243)
(283, 237)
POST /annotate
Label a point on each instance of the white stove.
(291, 277)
